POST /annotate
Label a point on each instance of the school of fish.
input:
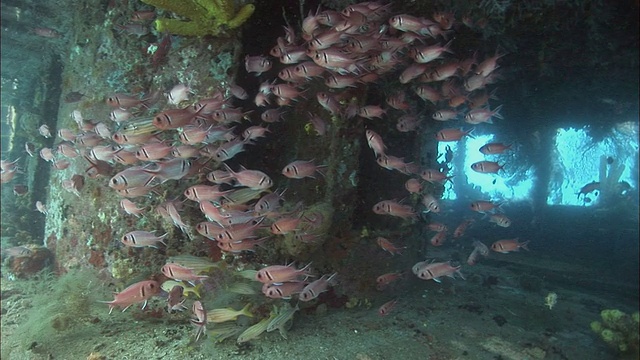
(146, 144)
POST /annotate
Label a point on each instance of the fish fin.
(245, 310)
(461, 276)
(196, 290)
(496, 113)
(470, 133)
(437, 280)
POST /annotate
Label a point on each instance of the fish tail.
(496, 112)
(196, 290)
(470, 133)
(524, 245)
(245, 310)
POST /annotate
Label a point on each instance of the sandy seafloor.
(457, 319)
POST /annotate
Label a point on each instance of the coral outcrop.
(205, 17)
(619, 330)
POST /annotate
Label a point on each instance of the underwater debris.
(207, 17)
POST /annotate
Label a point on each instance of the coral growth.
(26, 266)
(619, 330)
(206, 17)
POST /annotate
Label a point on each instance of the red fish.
(124, 101)
(479, 249)
(337, 81)
(173, 169)
(203, 192)
(239, 246)
(486, 67)
(384, 280)
(284, 290)
(411, 72)
(435, 226)
(494, 148)
(318, 123)
(143, 15)
(253, 179)
(388, 246)
(375, 142)
(434, 271)
(371, 111)
(178, 94)
(328, 102)
(426, 53)
(413, 186)
(500, 220)
(300, 169)
(270, 202)
(285, 225)
(181, 273)
(335, 60)
(484, 206)
(239, 232)
(173, 118)
(257, 64)
(209, 229)
(175, 300)
(161, 53)
(439, 238)
(140, 238)
(393, 208)
(425, 92)
(486, 167)
(44, 131)
(462, 228)
(136, 293)
(482, 115)
(434, 176)
(199, 319)
(590, 187)
(386, 308)
(407, 123)
(451, 134)
(431, 203)
(509, 245)
(153, 151)
(134, 176)
(405, 22)
(280, 273)
(317, 287)
(444, 115)
(131, 208)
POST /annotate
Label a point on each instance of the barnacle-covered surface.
(204, 17)
(100, 49)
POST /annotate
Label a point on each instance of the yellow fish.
(227, 314)
(186, 287)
